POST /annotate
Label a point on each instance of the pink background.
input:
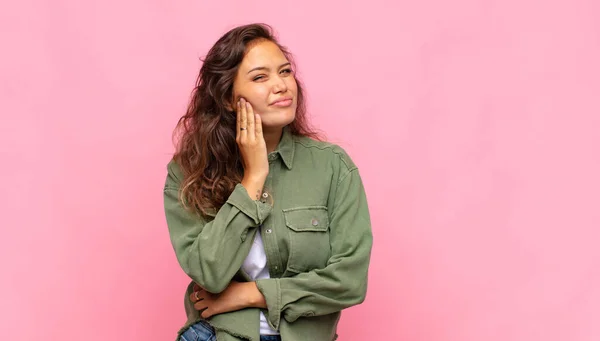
(475, 124)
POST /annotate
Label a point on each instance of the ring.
(196, 296)
(242, 128)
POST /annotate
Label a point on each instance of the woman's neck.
(272, 138)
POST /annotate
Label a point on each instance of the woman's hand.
(250, 140)
(237, 296)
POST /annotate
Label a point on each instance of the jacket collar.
(286, 147)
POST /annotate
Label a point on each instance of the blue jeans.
(202, 331)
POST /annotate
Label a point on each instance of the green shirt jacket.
(316, 229)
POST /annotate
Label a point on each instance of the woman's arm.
(237, 296)
(212, 252)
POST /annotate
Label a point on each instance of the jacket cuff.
(270, 289)
(256, 210)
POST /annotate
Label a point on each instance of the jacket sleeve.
(343, 282)
(211, 252)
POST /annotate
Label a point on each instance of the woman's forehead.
(263, 54)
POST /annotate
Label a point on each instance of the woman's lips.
(283, 103)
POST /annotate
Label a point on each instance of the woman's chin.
(277, 120)
(272, 126)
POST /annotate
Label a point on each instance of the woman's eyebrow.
(266, 68)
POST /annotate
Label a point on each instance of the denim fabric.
(202, 331)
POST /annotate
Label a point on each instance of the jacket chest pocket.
(309, 237)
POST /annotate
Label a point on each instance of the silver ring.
(242, 128)
(196, 296)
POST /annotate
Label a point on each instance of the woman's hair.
(206, 150)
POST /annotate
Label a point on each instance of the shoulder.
(324, 150)
(174, 174)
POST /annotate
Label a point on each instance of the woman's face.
(266, 80)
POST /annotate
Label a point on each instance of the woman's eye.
(287, 71)
(257, 78)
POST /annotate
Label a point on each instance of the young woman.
(269, 222)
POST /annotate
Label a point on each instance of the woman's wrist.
(254, 296)
(254, 186)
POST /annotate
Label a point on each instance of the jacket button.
(269, 231)
(315, 222)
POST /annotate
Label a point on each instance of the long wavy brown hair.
(206, 150)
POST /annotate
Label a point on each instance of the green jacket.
(316, 230)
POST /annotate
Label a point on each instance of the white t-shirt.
(255, 265)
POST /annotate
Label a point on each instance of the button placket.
(269, 237)
(270, 233)
(270, 245)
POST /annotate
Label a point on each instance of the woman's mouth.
(284, 102)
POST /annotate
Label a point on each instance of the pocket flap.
(308, 218)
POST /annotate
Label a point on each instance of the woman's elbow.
(208, 280)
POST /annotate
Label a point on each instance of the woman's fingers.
(258, 126)
(200, 305)
(243, 119)
(196, 295)
(249, 124)
(250, 121)
(206, 313)
(252, 147)
(238, 121)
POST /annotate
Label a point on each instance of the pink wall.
(475, 123)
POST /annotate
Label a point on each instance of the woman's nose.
(279, 85)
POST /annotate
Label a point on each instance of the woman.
(270, 223)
